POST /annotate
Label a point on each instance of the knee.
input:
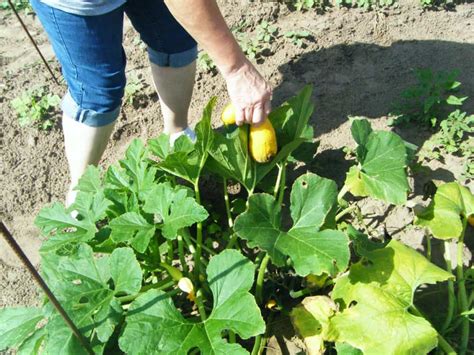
(95, 101)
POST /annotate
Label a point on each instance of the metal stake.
(33, 41)
(19, 252)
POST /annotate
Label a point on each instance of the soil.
(358, 62)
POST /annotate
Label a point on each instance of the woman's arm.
(248, 90)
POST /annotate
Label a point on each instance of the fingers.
(239, 116)
(268, 107)
(258, 115)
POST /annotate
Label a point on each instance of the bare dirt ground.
(358, 61)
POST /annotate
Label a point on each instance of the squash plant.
(146, 267)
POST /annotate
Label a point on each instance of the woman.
(87, 38)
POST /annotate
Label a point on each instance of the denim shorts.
(89, 49)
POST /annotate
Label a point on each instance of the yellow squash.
(262, 142)
(228, 115)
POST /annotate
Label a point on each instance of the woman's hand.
(250, 94)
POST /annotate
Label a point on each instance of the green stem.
(197, 256)
(212, 252)
(345, 211)
(232, 241)
(227, 205)
(170, 252)
(200, 305)
(278, 181)
(130, 298)
(282, 186)
(428, 247)
(462, 295)
(300, 293)
(341, 194)
(232, 339)
(260, 277)
(249, 194)
(451, 294)
(256, 345)
(443, 344)
(182, 258)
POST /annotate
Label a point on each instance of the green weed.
(429, 99)
(133, 87)
(298, 38)
(266, 32)
(36, 107)
(20, 5)
(367, 4)
(205, 62)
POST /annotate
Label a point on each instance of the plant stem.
(204, 247)
(443, 344)
(260, 277)
(345, 211)
(200, 305)
(462, 295)
(278, 180)
(197, 256)
(451, 294)
(428, 247)
(282, 186)
(182, 259)
(232, 241)
(227, 205)
(129, 298)
(300, 293)
(256, 345)
(170, 252)
(231, 337)
(341, 194)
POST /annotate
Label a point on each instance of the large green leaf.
(133, 229)
(61, 228)
(155, 326)
(380, 324)
(87, 287)
(184, 159)
(17, 324)
(173, 209)
(57, 222)
(230, 155)
(32, 345)
(378, 293)
(311, 320)
(451, 203)
(381, 172)
(312, 247)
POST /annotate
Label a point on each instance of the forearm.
(203, 20)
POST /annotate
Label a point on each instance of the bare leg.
(84, 146)
(175, 88)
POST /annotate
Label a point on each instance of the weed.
(133, 87)
(454, 137)
(298, 37)
(429, 99)
(266, 32)
(305, 4)
(36, 107)
(20, 5)
(205, 62)
(250, 46)
(367, 4)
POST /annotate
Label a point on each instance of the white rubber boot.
(84, 146)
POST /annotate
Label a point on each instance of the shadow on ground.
(366, 79)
